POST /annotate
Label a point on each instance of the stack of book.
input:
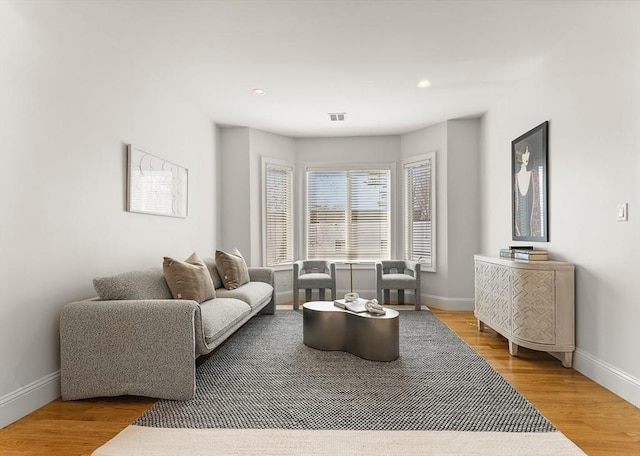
(524, 252)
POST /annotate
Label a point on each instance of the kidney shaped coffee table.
(327, 327)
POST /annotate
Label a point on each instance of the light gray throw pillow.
(142, 284)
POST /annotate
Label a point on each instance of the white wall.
(463, 207)
(458, 236)
(242, 149)
(70, 104)
(241, 153)
(434, 139)
(456, 144)
(589, 90)
(270, 145)
(235, 191)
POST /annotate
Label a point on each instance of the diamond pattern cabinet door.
(493, 295)
(533, 305)
(483, 295)
(500, 292)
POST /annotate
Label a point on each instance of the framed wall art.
(155, 185)
(529, 195)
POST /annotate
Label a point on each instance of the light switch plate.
(623, 215)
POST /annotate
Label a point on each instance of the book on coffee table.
(357, 306)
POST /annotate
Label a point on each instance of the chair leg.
(387, 296)
(307, 295)
(400, 296)
(417, 299)
(321, 294)
(296, 298)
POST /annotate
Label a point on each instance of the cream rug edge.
(147, 441)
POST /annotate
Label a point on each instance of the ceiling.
(314, 57)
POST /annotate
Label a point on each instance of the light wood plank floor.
(595, 419)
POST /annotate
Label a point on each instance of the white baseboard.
(284, 297)
(454, 304)
(25, 400)
(619, 382)
(437, 302)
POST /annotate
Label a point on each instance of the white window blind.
(419, 211)
(348, 214)
(278, 214)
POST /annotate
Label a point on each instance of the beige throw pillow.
(189, 279)
(232, 268)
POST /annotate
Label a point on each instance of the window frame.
(389, 167)
(418, 160)
(267, 163)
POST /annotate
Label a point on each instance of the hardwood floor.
(598, 421)
(594, 418)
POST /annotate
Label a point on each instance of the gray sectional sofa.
(135, 339)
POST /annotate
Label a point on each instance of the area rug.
(265, 392)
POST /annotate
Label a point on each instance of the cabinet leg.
(480, 326)
(567, 359)
(513, 349)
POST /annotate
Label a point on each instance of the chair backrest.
(310, 266)
(395, 267)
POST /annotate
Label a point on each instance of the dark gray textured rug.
(264, 377)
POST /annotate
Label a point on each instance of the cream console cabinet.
(531, 303)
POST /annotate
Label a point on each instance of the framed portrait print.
(529, 197)
(155, 185)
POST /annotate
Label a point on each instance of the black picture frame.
(529, 171)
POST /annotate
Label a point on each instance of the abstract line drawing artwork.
(155, 186)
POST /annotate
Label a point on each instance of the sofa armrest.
(267, 275)
(261, 275)
(141, 348)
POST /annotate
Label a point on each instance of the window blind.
(278, 214)
(348, 214)
(419, 211)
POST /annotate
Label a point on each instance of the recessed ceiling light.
(258, 92)
(424, 84)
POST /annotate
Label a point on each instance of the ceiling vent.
(336, 116)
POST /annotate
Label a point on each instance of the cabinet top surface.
(525, 264)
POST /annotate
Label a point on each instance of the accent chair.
(313, 274)
(397, 275)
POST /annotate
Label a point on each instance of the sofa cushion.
(143, 284)
(220, 315)
(189, 279)
(252, 293)
(213, 270)
(232, 268)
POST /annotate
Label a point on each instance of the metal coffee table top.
(373, 337)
